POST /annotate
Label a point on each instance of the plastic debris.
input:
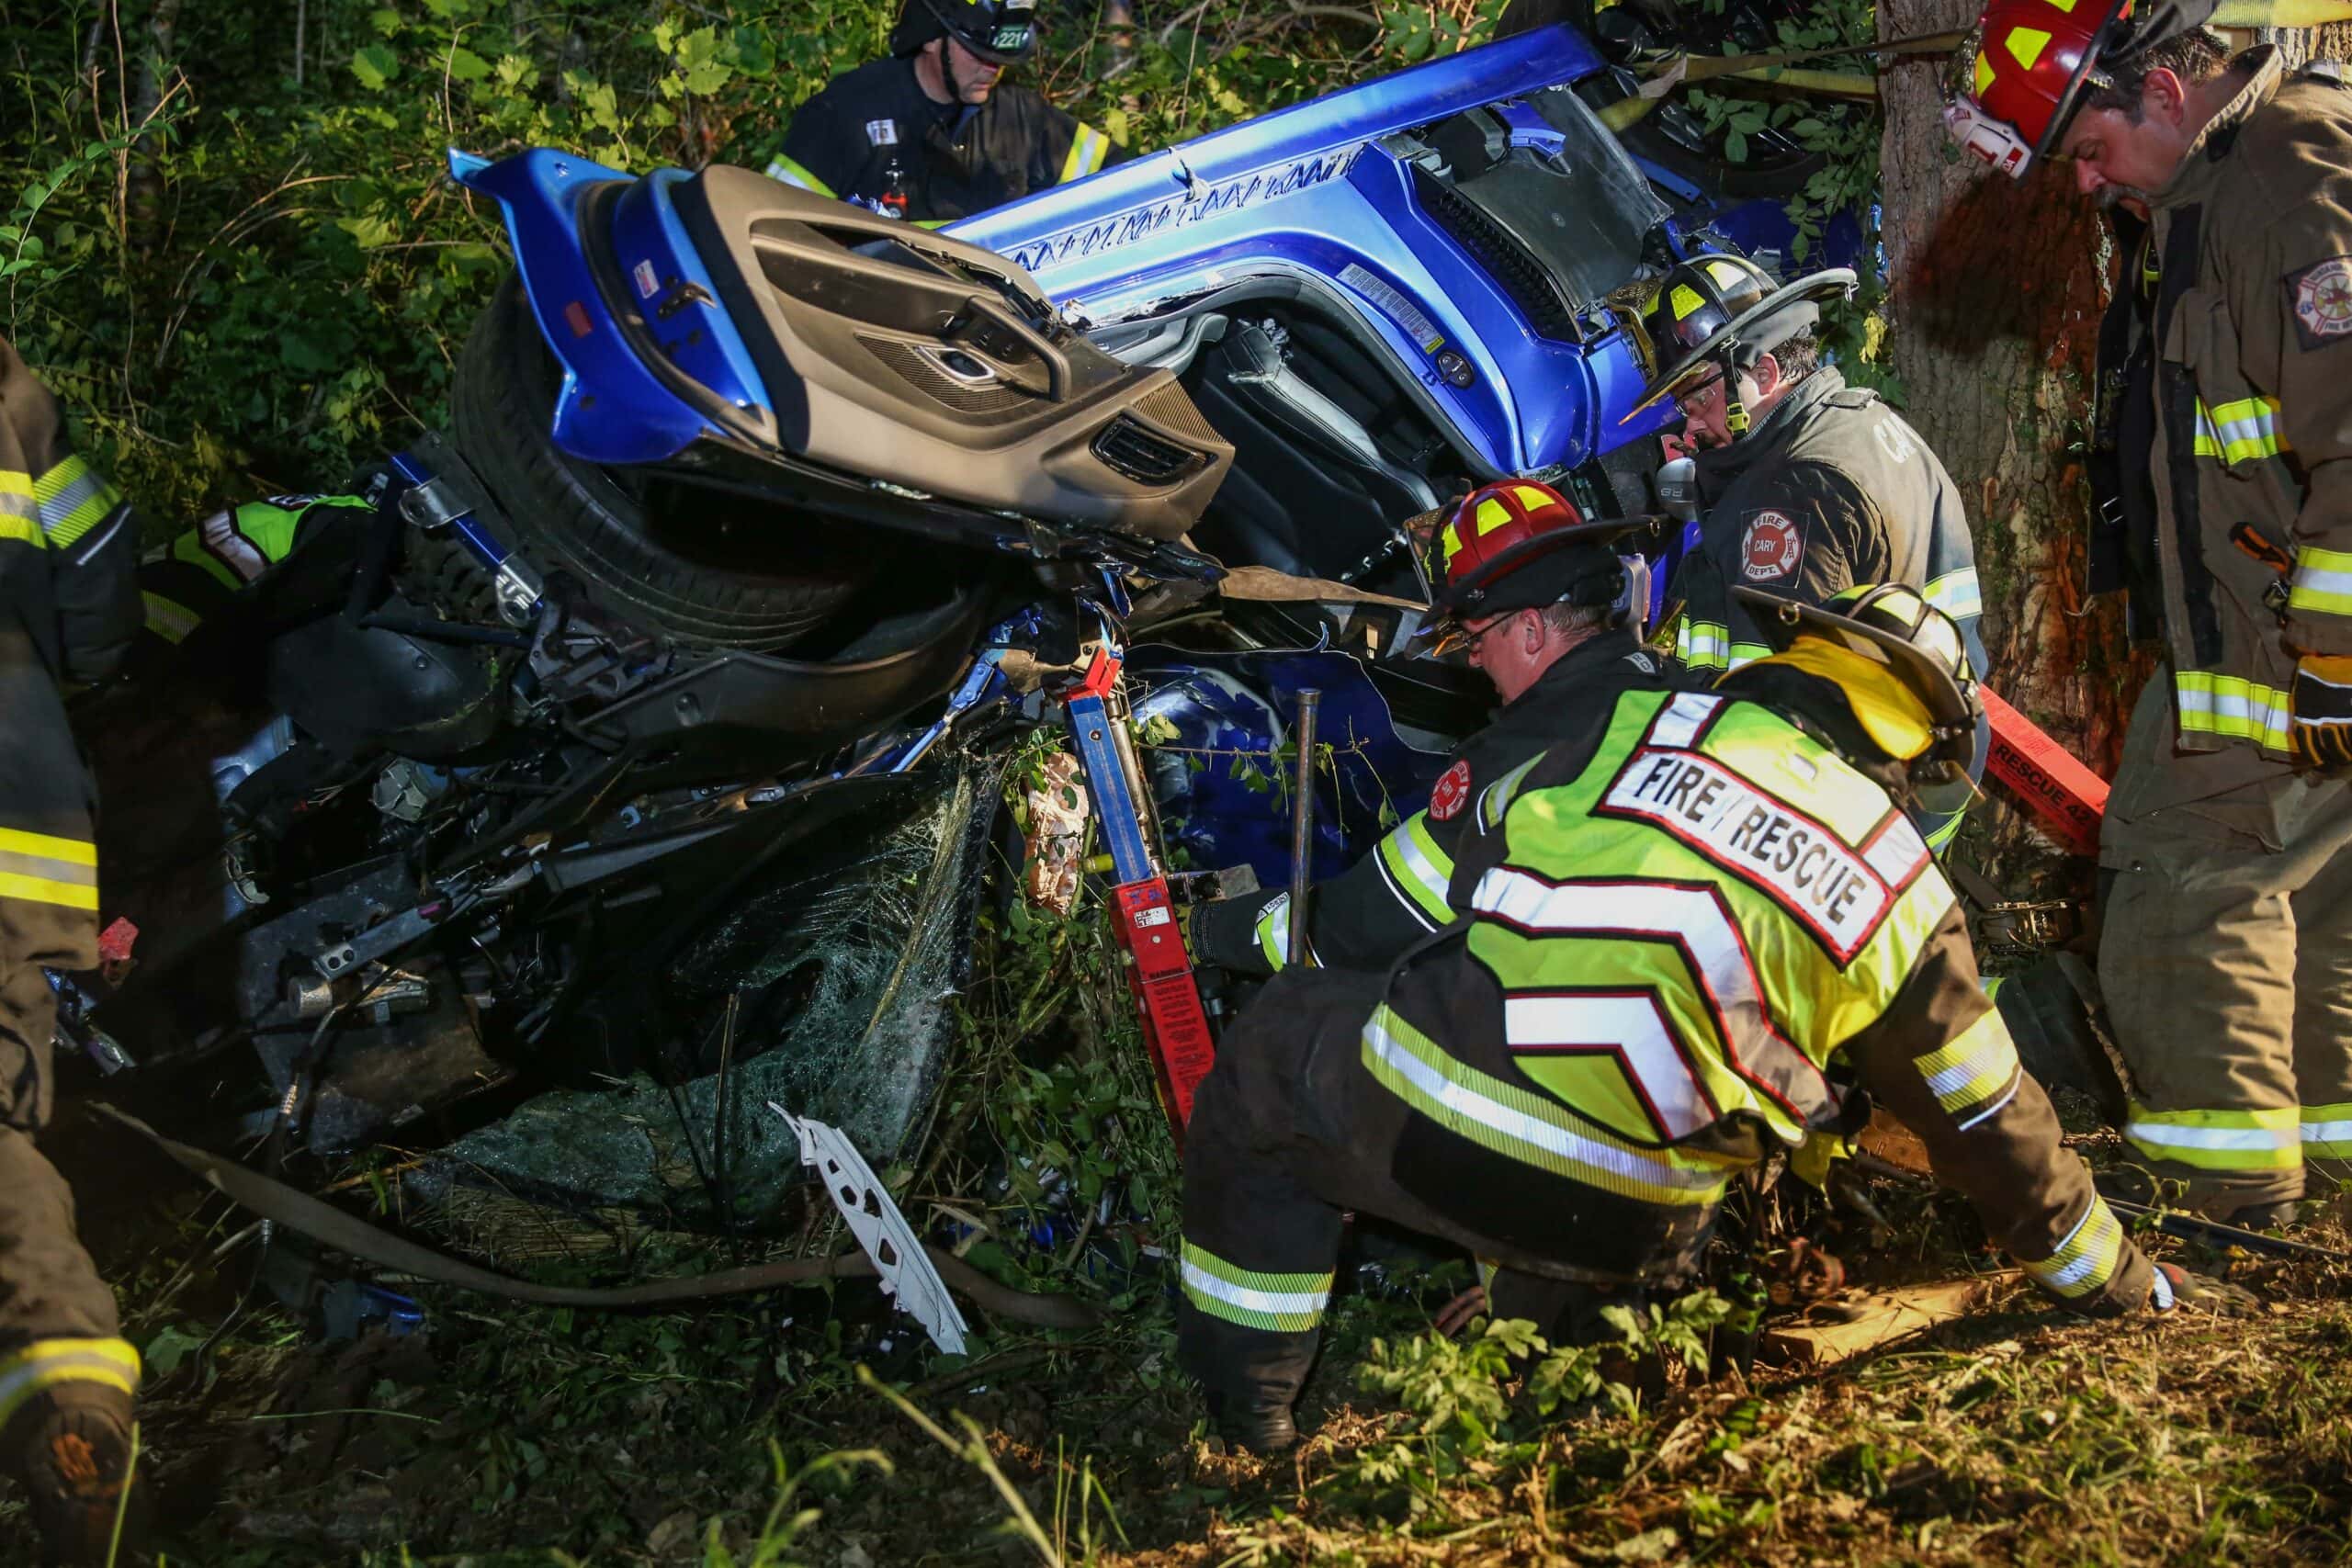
(907, 1274)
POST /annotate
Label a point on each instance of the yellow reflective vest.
(1689, 938)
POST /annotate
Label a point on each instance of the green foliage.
(1846, 135)
(247, 270)
(1460, 1413)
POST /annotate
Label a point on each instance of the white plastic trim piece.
(899, 1258)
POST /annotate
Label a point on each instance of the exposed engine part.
(237, 865)
(310, 996)
(2021, 929)
(404, 789)
(380, 996)
(272, 740)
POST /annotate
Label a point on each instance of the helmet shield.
(999, 31)
(2033, 59)
(1893, 627)
(1777, 315)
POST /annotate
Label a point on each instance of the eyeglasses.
(1460, 635)
(1701, 397)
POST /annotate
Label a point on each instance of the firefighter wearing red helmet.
(933, 133)
(1549, 606)
(1684, 931)
(2223, 480)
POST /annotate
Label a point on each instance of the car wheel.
(700, 566)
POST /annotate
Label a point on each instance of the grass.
(815, 1428)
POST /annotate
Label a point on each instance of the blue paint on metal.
(1091, 733)
(612, 408)
(1231, 713)
(697, 336)
(485, 546)
(1305, 194)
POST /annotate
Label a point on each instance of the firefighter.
(69, 609)
(933, 133)
(1806, 485)
(1684, 919)
(186, 585)
(1551, 610)
(2226, 853)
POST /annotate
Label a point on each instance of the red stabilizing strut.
(1176, 1027)
(2067, 796)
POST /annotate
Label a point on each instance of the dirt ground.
(496, 1433)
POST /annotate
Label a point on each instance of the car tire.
(761, 589)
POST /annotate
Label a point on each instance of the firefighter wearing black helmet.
(932, 133)
(1689, 929)
(1806, 485)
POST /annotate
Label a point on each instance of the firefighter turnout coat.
(2226, 380)
(1399, 893)
(951, 159)
(2250, 258)
(1830, 489)
(69, 610)
(1685, 925)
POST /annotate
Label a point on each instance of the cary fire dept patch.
(1450, 792)
(1771, 547)
(2322, 297)
(882, 133)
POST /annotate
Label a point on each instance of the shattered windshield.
(1581, 212)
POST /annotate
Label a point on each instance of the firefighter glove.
(2322, 708)
(2176, 1287)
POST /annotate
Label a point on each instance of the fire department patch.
(1450, 791)
(1771, 547)
(2322, 296)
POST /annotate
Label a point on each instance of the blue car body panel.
(1219, 800)
(612, 407)
(1308, 195)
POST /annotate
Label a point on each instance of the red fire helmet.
(2033, 59)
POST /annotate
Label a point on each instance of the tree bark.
(156, 67)
(1997, 288)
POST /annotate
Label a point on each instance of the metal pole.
(1302, 822)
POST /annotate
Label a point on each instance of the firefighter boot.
(71, 1449)
(1250, 1381)
(1252, 1421)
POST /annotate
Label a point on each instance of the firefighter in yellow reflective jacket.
(186, 585)
(1552, 612)
(1694, 920)
(68, 611)
(2226, 947)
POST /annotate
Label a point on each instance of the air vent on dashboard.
(1144, 455)
(1508, 263)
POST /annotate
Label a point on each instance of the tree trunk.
(1997, 288)
(156, 67)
